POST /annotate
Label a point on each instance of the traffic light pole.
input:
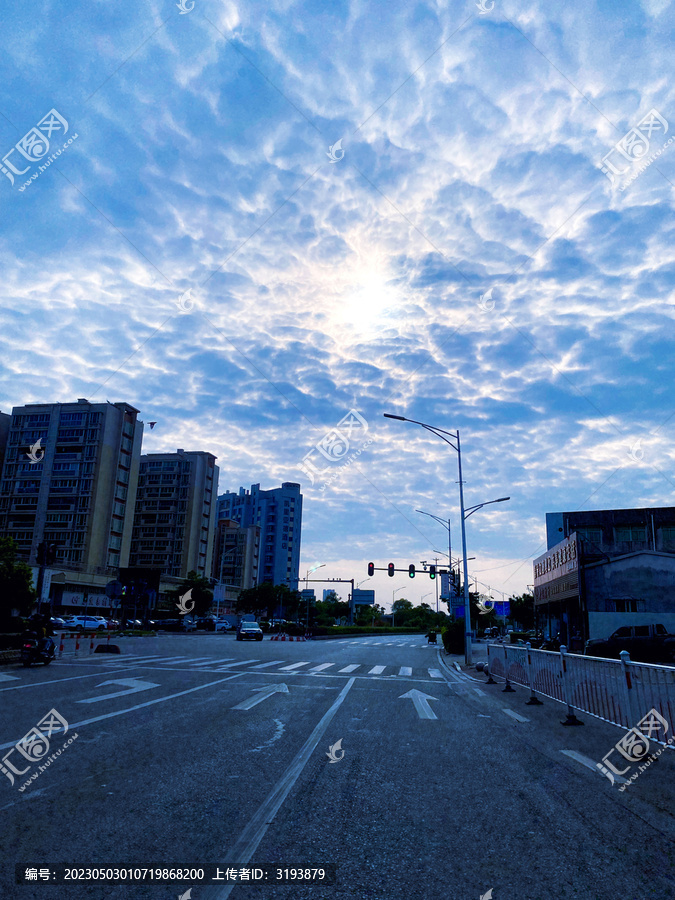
(467, 605)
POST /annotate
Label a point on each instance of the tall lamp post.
(308, 573)
(393, 595)
(445, 436)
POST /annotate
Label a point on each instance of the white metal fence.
(616, 690)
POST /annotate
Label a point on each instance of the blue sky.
(472, 144)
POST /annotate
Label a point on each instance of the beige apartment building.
(69, 481)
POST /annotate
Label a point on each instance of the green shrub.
(453, 637)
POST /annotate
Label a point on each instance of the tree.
(202, 595)
(16, 582)
(521, 611)
(265, 598)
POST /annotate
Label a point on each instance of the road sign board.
(113, 589)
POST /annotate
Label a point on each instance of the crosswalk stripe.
(322, 667)
(434, 673)
(219, 661)
(267, 664)
(239, 662)
(377, 670)
(149, 659)
(293, 666)
(348, 669)
(405, 671)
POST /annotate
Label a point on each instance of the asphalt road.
(195, 749)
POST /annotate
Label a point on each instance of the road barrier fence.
(618, 691)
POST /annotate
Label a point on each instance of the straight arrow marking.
(262, 693)
(421, 703)
(133, 686)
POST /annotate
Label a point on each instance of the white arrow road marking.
(585, 761)
(262, 693)
(133, 686)
(8, 678)
(420, 701)
(515, 715)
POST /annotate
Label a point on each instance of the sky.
(259, 223)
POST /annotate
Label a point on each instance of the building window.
(629, 533)
(594, 535)
(629, 606)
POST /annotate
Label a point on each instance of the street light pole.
(444, 436)
(393, 595)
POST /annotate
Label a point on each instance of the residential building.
(604, 569)
(236, 557)
(278, 514)
(175, 514)
(69, 481)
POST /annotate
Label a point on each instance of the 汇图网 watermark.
(634, 147)
(34, 146)
(35, 746)
(634, 747)
(335, 446)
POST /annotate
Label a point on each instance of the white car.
(86, 623)
(224, 625)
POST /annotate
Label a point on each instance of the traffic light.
(432, 572)
(391, 568)
(411, 570)
(371, 569)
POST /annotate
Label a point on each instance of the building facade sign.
(556, 572)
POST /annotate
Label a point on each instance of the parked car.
(206, 623)
(223, 625)
(86, 623)
(645, 643)
(57, 622)
(113, 624)
(249, 631)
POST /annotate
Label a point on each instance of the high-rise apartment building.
(69, 479)
(236, 555)
(278, 514)
(175, 513)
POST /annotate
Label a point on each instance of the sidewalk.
(576, 748)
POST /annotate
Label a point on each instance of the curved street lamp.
(455, 444)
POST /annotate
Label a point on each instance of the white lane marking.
(322, 667)
(391, 644)
(217, 662)
(240, 662)
(348, 669)
(405, 671)
(262, 693)
(4, 677)
(515, 715)
(294, 666)
(133, 685)
(18, 687)
(121, 712)
(421, 703)
(152, 659)
(590, 764)
(377, 670)
(200, 660)
(254, 832)
(275, 662)
(479, 692)
(435, 673)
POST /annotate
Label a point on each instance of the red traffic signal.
(371, 569)
(432, 571)
(411, 570)
(391, 568)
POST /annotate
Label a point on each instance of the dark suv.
(645, 643)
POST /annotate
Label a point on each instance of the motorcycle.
(37, 650)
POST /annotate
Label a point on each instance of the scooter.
(36, 650)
